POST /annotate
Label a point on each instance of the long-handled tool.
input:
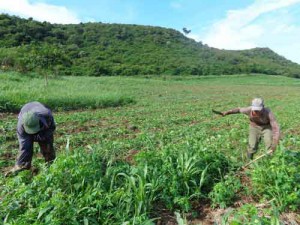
(217, 112)
(259, 157)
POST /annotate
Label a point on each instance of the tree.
(47, 58)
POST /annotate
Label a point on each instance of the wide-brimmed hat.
(257, 104)
(31, 123)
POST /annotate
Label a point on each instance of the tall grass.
(66, 93)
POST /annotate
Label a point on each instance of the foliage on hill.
(98, 49)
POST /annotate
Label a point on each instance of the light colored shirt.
(266, 118)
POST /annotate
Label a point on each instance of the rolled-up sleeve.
(245, 110)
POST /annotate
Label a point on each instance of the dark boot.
(15, 170)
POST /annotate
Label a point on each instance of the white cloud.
(265, 23)
(38, 11)
(175, 5)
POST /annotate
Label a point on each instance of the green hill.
(98, 49)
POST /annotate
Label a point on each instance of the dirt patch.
(194, 122)
(205, 215)
(293, 131)
(165, 216)
(129, 157)
(290, 218)
(7, 155)
(79, 129)
(211, 217)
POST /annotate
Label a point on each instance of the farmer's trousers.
(255, 135)
(25, 153)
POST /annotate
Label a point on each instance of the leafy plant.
(225, 192)
(279, 179)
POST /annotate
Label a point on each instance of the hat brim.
(256, 108)
(32, 130)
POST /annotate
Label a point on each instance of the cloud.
(38, 11)
(265, 23)
(175, 5)
(241, 29)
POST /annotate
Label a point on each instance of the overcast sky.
(224, 24)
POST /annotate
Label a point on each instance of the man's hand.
(272, 150)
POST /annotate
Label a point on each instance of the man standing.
(262, 124)
(35, 124)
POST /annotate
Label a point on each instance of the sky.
(223, 24)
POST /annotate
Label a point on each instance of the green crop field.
(148, 150)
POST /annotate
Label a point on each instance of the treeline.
(98, 49)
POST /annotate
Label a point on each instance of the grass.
(183, 154)
(60, 94)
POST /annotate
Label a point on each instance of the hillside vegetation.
(98, 49)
